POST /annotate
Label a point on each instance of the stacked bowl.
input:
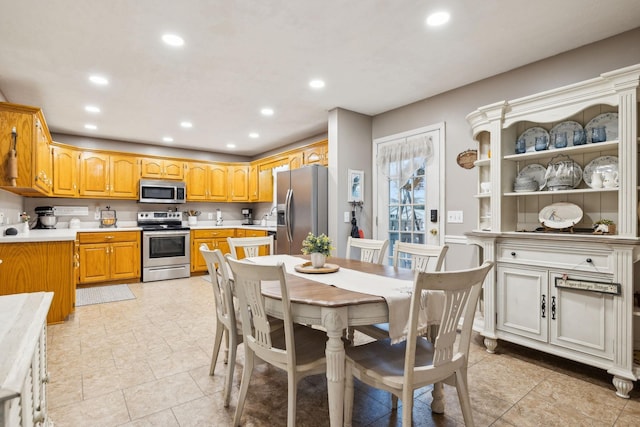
(525, 184)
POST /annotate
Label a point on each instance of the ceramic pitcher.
(610, 179)
(596, 180)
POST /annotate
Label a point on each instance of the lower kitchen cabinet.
(40, 266)
(242, 232)
(108, 255)
(214, 239)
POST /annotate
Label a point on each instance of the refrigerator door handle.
(287, 214)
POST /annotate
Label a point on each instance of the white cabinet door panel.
(522, 302)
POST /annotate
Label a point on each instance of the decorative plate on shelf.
(560, 215)
(601, 164)
(536, 172)
(609, 121)
(569, 127)
(530, 135)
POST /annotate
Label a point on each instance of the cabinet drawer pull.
(553, 308)
(543, 306)
(513, 254)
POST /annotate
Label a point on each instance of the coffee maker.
(46, 217)
(248, 216)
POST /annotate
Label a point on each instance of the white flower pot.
(318, 260)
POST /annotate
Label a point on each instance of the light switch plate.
(455, 217)
(347, 218)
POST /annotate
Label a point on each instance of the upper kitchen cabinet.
(65, 171)
(206, 182)
(162, 168)
(316, 154)
(109, 175)
(296, 159)
(238, 183)
(25, 150)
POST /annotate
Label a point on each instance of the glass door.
(408, 188)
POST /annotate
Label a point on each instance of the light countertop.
(67, 234)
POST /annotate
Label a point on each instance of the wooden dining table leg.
(334, 321)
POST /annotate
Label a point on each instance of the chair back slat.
(423, 257)
(371, 250)
(250, 246)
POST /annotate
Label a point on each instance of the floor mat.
(102, 294)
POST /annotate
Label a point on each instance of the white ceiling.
(242, 55)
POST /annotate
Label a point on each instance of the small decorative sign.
(467, 158)
(588, 285)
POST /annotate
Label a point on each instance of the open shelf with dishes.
(568, 213)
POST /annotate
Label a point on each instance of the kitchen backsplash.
(126, 210)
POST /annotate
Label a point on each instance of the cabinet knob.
(513, 254)
(589, 260)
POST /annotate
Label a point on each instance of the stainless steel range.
(165, 246)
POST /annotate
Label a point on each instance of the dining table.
(334, 307)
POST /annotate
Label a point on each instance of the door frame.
(439, 127)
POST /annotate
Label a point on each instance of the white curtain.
(408, 153)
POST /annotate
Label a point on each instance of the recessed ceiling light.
(267, 111)
(167, 139)
(90, 126)
(173, 40)
(438, 18)
(230, 145)
(316, 84)
(92, 109)
(99, 80)
(254, 135)
(186, 124)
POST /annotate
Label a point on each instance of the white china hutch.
(568, 292)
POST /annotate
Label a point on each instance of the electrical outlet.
(210, 215)
(1, 218)
(455, 217)
(96, 216)
(347, 218)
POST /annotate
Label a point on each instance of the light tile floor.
(145, 362)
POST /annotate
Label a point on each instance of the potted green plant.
(319, 247)
(604, 226)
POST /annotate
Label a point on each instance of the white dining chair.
(421, 257)
(371, 250)
(300, 352)
(227, 321)
(249, 245)
(404, 367)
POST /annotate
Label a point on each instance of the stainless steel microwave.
(161, 191)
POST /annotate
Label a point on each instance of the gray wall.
(349, 148)
(452, 107)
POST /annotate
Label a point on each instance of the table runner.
(396, 292)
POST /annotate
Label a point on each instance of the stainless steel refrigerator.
(302, 206)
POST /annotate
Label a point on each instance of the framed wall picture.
(356, 186)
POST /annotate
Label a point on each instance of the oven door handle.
(166, 233)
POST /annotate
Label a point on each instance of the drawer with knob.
(570, 258)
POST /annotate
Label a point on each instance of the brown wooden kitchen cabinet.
(109, 175)
(108, 255)
(214, 239)
(65, 171)
(206, 182)
(155, 168)
(316, 154)
(238, 183)
(33, 144)
(40, 266)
